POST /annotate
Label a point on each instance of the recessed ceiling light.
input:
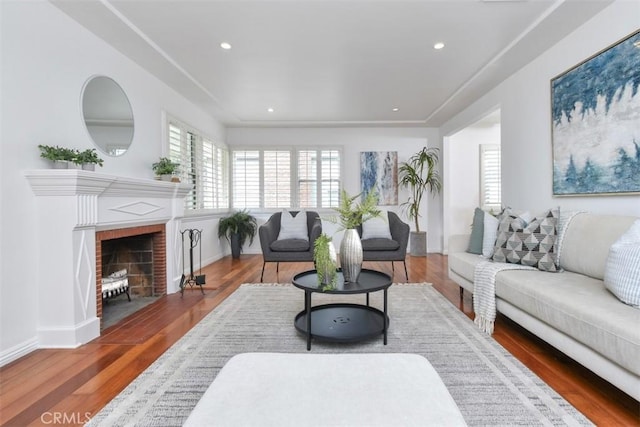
(438, 45)
(270, 110)
(225, 45)
(394, 109)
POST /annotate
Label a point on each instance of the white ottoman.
(276, 389)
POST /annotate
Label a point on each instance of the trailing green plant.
(89, 156)
(165, 166)
(419, 174)
(241, 223)
(56, 153)
(326, 266)
(352, 214)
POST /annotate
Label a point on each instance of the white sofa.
(571, 310)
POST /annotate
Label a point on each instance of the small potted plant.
(237, 228)
(326, 263)
(59, 156)
(88, 159)
(165, 169)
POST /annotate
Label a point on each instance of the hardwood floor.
(67, 387)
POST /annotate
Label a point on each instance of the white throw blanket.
(484, 291)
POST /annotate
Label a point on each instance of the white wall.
(524, 100)
(406, 141)
(463, 174)
(46, 59)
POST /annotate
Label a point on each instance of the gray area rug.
(490, 387)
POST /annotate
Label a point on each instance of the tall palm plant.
(419, 174)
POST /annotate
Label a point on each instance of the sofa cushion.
(293, 227)
(377, 227)
(587, 240)
(477, 232)
(578, 306)
(532, 245)
(290, 245)
(378, 244)
(464, 264)
(622, 272)
(490, 234)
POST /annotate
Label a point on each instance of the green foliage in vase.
(54, 153)
(352, 214)
(326, 266)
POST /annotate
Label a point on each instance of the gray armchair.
(394, 249)
(287, 250)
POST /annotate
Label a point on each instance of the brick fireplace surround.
(159, 261)
(75, 211)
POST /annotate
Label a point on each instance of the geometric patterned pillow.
(509, 223)
(532, 244)
(622, 272)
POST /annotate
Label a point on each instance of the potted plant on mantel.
(419, 174)
(166, 169)
(88, 159)
(59, 156)
(350, 216)
(237, 228)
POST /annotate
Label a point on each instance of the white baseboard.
(18, 351)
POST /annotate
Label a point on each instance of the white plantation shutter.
(277, 179)
(308, 178)
(285, 178)
(203, 164)
(330, 176)
(490, 179)
(246, 179)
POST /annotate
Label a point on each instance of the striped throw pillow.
(622, 272)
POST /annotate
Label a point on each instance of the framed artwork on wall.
(595, 128)
(379, 172)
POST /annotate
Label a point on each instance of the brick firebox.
(158, 237)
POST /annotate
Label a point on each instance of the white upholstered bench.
(277, 389)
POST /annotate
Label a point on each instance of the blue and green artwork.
(596, 123)
(379, 173)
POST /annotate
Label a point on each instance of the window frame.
(193, 169)
(488, 171)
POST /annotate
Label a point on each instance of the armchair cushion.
(293, 227)
(290, 245)
(376, 228)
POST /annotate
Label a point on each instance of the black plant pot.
(235, 245)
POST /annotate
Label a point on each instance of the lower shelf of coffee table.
(342, 322)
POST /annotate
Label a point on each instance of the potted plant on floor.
(237, 228)
(350, 216)
(419, 174)
(88, 159)
(166, 169)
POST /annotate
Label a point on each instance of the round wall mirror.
(107, 114)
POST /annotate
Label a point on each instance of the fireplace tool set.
(191, 279)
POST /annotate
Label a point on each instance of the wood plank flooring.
(67, 387)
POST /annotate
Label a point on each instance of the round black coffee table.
(343, 322)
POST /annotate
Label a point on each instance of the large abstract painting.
(596, 123)
(379, 172)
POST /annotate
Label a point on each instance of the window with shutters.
(490, 184)
(285, 178)
(203, 163)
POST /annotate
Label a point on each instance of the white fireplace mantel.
(71, 205)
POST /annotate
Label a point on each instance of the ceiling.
(332, 62)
